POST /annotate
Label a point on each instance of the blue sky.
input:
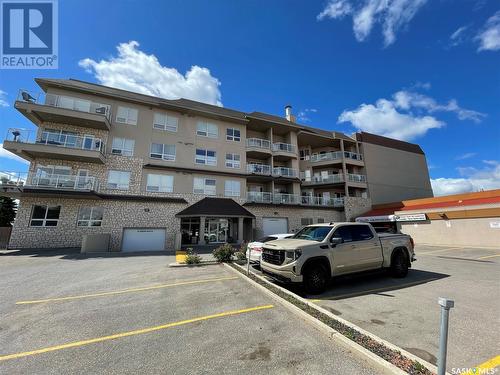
(420, 70)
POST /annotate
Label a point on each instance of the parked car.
(254, 249)
(318, 252)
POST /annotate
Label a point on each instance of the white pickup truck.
(319, 252)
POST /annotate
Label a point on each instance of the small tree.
(8, 209)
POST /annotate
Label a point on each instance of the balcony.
(327, 156)
(259, 169)
(284, 151)
(333, 157)
(259, 197)
(15, 183)
(356, 178)
(53, 145)
(258, 148)
(323, 180)
(63, 109)
(310, 200)
(284, 198)
(285, 172)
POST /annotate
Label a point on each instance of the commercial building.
(158, 174)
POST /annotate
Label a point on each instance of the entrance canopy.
(218, 207)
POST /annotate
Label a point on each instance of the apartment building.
(157, 174)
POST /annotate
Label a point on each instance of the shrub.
(192, 257)
(240, 255)
(223, 253)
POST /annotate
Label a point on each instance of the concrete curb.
(180, 265)
(382, 365)
(405, 353)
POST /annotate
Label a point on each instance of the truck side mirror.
(336, 241)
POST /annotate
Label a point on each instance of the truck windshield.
(313, 233)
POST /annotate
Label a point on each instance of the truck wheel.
(399, 265)
(316, 279)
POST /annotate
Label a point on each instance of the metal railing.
(66, 102)
(59, 181)
(329, 179)
(284, 172)
(259, 169)
(49, 181)
(283, 147)
(259, 197)
(321, 201)
(284, 198)
(356, 177)
(56, 139)
(8, 178)
(259, 143)
(335, 155)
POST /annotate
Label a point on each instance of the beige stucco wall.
(457, 232)
(394, 175)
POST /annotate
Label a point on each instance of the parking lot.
(63, 314)
(406, 313)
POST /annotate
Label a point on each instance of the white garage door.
(275, 225)
(143, 239)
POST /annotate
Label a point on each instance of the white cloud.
(4, 154)
(472, 179)
(304, 114)
(384, 119)
(458, 36)
(3, 100)
(137, 71)
(467, 155)
(406, 116)
(335, 9)
(489, 36)
(407, 100)
(393, 15)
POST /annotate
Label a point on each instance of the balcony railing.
(66, 102)
(329, 179)
(56, 139)
(259, 197)
(259, 143)
(284, 172)
(335, 155)
(356, 178)
(49, 181)
(261, 169)
(284, 147)
(285, 198)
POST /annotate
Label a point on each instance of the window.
(160, 183)
(304, 154)
(232, 188)
(206, 129)
(233, 135)
(313, 233)
(126, 115)
(90, 217)
(162, 151)
(344, 233)
(51, 170)
(206, 157)
(361, 233)
(306, 221)
(123, 146)
(321, 220)
(45, 216)
(204, 186)
(233, 161)
(118, 180)
(163, 121)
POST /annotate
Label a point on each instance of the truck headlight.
(293, 254)
(298, 253)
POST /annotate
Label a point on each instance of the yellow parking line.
(486, 367)
(133, 290)
(438, 251)
(489, 256)
(387, 288)
(131, 333)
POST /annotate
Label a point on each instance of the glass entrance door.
(216, 230)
